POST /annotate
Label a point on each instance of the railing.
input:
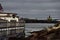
(11, 31)
(8, 24)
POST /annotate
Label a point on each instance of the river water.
(29, 27)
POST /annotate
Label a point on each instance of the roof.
(6, 16)
(7, 13)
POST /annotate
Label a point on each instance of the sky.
(33, 8)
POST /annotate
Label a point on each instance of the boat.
(10, 25)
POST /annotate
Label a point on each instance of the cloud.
(32, 8)
(42, 6)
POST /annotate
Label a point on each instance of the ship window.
(4, 33)
(13, 16)
(13, 31)
(13, 22)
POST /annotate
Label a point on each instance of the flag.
(1, 8)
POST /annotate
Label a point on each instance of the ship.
(10, 25)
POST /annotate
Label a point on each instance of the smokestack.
(1, 8)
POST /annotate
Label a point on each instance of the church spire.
(49, 18)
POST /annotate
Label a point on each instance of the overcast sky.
(33, 8)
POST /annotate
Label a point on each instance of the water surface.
(29, 27)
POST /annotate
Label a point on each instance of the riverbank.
(52, 34)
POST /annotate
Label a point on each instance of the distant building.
(49, 19)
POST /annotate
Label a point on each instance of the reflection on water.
(35, 27)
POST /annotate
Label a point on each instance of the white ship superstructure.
(8, 16)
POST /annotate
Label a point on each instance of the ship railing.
(7, 25)
(11, 31)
